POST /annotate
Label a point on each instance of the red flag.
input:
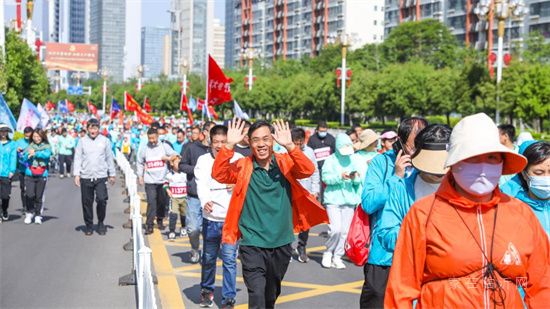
(92, 109)
(212, 112)
(70, 106)
(147, 105)
(144, 117)
(50, 106)
(130, 104)
(200, 104)
(219, 86)
(183, 103)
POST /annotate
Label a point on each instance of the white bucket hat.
(476, 135)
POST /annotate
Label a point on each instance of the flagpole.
(207, 87)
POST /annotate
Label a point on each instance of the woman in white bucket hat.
(469, 244)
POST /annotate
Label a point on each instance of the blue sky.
(153, 11)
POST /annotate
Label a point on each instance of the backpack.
(357, 246)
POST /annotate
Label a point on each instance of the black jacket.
(189, 156)
(315, 142)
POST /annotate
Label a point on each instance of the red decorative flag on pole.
(70, 106)
(92, 109)
(130, 104)
(219, 86)
(147, 105)
(50, 106)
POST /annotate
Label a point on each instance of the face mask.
(322, 134)
(540, 186)
(478, 179)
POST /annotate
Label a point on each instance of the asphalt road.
(54, 265)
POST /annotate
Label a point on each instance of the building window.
(375, 22)
(374, 37)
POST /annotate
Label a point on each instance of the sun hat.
(476, 135)
(431, 158)
(524, 137)
(388, 135)
(366, 138)
(5, 127)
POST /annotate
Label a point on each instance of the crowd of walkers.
(458, 217)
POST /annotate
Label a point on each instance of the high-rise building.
(108, 29)
(539, 17)
(218, 43)
(132, 49)
(153, 50)
(291, 29)
(65, 21)
(192, 34)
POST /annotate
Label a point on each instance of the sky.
(153, 11)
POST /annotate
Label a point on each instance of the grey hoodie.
(150, 166)
(94, 158)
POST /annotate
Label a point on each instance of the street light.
(250, 54)
(504, 9)
(57, 81)
(345, 41)
(139, 70)
(104, 72)
(183, 70)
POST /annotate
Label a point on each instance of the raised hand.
(282, 135)
(235, 132)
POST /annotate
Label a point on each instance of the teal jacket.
(65, 145)
(379, 182)
(41, 158)
(22, 143)
(8, 158)
(341, 191)
(540, 208)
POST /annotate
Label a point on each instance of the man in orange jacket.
(267, 204)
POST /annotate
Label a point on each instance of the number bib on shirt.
(153, 165)
(322, 153)
(178, 190)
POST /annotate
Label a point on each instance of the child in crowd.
(176, 186)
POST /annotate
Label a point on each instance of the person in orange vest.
(469, 244)
(267, 205)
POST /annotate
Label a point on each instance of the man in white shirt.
(214, 198)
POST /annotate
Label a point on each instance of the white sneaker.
(38, 220)
(28, 219)
(327, 260)
(61, 176)
(337, 263)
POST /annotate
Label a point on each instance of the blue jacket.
(8, 158)
(22, 143)
(540, 208)
(40, 158)
(379, 182)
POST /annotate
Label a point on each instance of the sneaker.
(149, 230)
(61, 175)
(327, 260)
(207, 299)
(38, 219)
(88, 231)
(5, 216)
(302, 256)
(28, 218)
(171, 236)
(195, 256)
(101, 229)
(229, 304)
(338, 264)
(183, 232)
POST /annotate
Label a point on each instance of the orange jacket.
(438, 262)
(306, 210)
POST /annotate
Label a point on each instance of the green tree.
(536, 50)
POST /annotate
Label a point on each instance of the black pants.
(90, 188)
(22, 189)
(374, 288)
(34, 191)
(302, 238)
(65, 160)
(263, 271)
(5, 192)
(156, 202)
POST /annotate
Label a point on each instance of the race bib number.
(178, 190)
(154, 164)
(322, 153)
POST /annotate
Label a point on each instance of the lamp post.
(504, 9)
(77, 76)
(104, 72)
(139, 70)
(57, 80)
(183, 71)
(249, 54)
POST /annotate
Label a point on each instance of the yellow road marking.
(168, 287)
(175, 244)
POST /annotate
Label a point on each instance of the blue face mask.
(322, 134)
(540, 186)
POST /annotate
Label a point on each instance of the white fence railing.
(141, 254)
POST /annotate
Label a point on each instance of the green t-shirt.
(266, 218)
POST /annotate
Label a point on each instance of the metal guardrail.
(141, 275)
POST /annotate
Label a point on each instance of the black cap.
(92, 122)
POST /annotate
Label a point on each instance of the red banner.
(72, 57)
(219, 86)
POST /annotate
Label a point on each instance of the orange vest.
(438, 258)
(306, 210)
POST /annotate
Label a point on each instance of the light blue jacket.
(40, 158)
(8, 158)
(341, 191)
(379, 182)
(65, 145)
(22, 143)
(540, 208)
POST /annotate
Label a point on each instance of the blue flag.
(62, 106)
(114, 105)
(6, 116)
(192, 104)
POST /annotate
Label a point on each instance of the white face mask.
(540, 186)
(478, 179)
